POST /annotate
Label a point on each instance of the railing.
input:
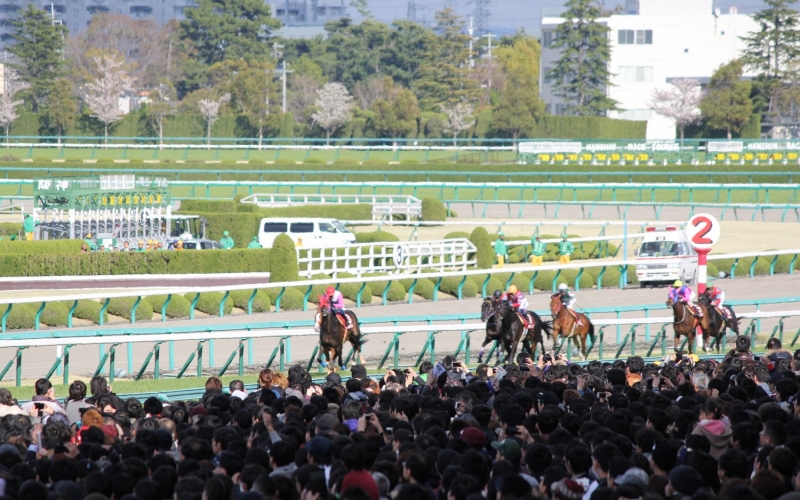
(245, 334)
(383, 206)
(402, 257)
(342, 171)
(624, 266)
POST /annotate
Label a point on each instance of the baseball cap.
(358, 371)
(509, 449)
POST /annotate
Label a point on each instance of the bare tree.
(209, 108)
(335, 106)
(8, 105)
(680, 101)
(102, 95)
(459, 118)
(302, 94)
(369, 91)
(158, 108)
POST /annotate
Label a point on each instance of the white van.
(305, 232)
(660, 244)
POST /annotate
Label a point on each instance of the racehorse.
(685, 323)
(489, 310)
(333, 334)
(511, 328)
(565, 324)
(717, 323)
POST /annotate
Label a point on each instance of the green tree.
(255, 97)
(60, 108)
(396, 115)
(443, 75)
(581, 74)
(218, 30)
(519, 106)
(159, 108)
(777, 42)
(362, 7)
(39, 51)
(727, 105)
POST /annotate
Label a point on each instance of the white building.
(652, 43)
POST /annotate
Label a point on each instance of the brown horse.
(333, 334)
(565, 324)
(686, 323)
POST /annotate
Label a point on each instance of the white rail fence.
(401, 257)
(383, 206)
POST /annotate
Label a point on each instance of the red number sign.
(703, 231)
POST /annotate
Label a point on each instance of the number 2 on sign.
(700, 238)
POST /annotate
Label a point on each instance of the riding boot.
(317, 322)
(480, 356)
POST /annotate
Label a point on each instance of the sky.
(508, 16)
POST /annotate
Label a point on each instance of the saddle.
(578, 320)
(342, 319)
(526, 319)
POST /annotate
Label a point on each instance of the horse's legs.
(583, 347)
(690, 342)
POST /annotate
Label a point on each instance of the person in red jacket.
(358, 477)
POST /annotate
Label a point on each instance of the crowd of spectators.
(679, 429)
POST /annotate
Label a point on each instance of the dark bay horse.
(565, 324)
(511, 330)
(489, 315)
(717, 323)
(333, 334)
(685, 323)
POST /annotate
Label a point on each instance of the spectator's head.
(773, 434)
(213, 384)
(77, 391)
(353, 457)
(416, 468)
(43, 387)
(99, 386)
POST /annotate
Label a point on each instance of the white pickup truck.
(665, 256)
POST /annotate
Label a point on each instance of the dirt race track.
(37, 361)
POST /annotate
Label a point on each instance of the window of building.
(635, 74)
(549, 38)
(561, 109)
(547, 79)
(638, 37)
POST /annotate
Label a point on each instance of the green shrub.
(433, 210)
(51, 247)
(783, 264)
(450, 286)
(492, 285)
(8, 158)
(424, 287)
(241, 298)
(713, 272)
(376, 237)
(292, 299)
(725, 265)
(484, 254)
(396, 292)
(346, 161)
(762, 266)
(54, 314)
(122, 306)
(570, 275)
(409, 161)
(456, 235)
(209, 302)
(314, 161)
(178, 306)
(283, 260)
(9, 228)
(522, 281)
(88, 310)
(374, 161)
(544, 281)
(350, 290)
(21, 317)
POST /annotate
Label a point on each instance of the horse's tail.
(356, 328)
(591, 331)
(547, 327)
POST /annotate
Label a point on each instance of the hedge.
(21, 317)
(376, 237)
(350, 290)
(283, 260)
(87, 309)
(241, 298)
(484, 254)
(209, 302)
(121, 306)
(457, 234)
(178, 306)
(424, 287)
(397, 291)
(54, 314)
(40, 247)
(587, 127)
(292, 299)
(116, 263)
(10, 228)
(450, 286)
(433, 210)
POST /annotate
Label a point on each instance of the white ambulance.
(664, 256)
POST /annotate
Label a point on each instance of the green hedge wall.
(178, 306)
(40, 247)
(115, 263)
(588, 127)
(376, 237)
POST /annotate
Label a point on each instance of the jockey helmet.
(563, 286)
(330, 290)
(512, 289)
(501, 234)
(677, 284)
(497, 294)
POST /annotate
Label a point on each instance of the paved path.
(84, 359)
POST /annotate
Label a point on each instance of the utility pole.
(489, 56)
(471, 32)
(284, 71)
(277, 53)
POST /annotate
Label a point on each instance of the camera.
(548, 357)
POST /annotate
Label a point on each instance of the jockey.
(336, 302)
(498, 295)
(567, 297)
(716, 298)
(683, 293)
(518, 301)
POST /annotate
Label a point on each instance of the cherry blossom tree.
(102, 95)
(8, 103)
(335, 107)
(459, 118)
(680, 101)
(209, 108)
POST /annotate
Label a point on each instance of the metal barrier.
(284, 332)
(383, 206)
(402, 257)
(531, 273)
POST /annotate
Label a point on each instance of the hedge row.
(40, 247)
(116, 263)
